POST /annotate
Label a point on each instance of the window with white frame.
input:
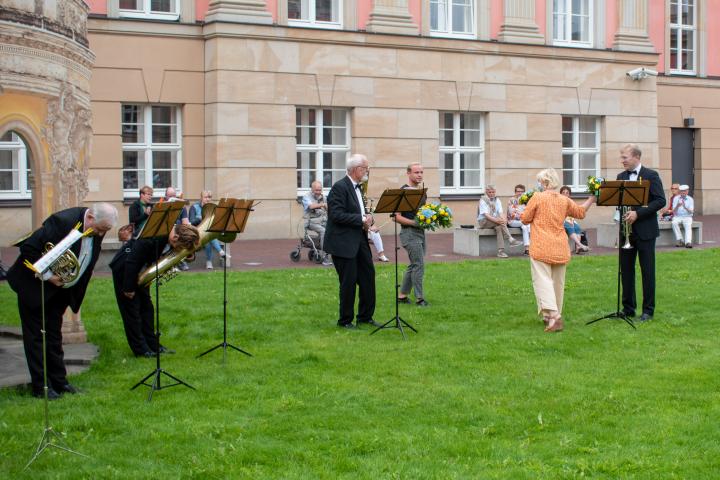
(151, 147)
(14, 167)
(322, 136)
(580, 151)
(462, 153)
(315, 13)
(573, 22)
(683, 36)
(157, 9)
(452, 17)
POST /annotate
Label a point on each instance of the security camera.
(641, 73)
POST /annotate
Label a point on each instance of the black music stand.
(231, 216)
(394, 201)
(161, 221)
(622, 193)
(50, 438)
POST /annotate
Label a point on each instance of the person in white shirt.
(515, 210)
(490, 215)
(683, 207)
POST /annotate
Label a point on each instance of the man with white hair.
(59, 293)
(683, 207)
(347, 241)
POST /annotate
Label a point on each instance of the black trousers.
(645, 251)
(32, 341)
(138, 315)
(356, 271)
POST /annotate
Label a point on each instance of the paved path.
(251, 255)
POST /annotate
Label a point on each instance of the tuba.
(167, 263)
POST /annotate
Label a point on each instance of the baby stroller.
(308, 239)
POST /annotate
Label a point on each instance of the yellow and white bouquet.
(594, 184)
(434, 215)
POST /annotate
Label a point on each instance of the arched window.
(15, 164)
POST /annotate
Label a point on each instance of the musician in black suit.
(644, 232)
(347, 241)
(134, 301)
(59, 296)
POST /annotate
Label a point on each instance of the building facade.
(258, 98)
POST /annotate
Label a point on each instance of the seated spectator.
(490, 215)
(315, 215)
(572, 227)
(140, 209)
(666, 213)
(374, 236)
(683, 207)
(171, 195)
(515, 209)
(195, 217)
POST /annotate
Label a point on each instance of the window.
(159, 9)
(462, 152)
(682, 36)
(572, 22)
(315, 13)
(323, 143)
(580, 151)
(452, 17)
(151, 144)
(14, 167)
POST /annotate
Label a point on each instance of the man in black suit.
(347, 241)
(644, 231)
(59, 296)
(134, 301)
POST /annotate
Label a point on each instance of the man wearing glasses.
(347, 241)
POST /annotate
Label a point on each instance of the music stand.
(622, 193)
(161, 221)
(50, 436)
(231, 216)
(394, 201)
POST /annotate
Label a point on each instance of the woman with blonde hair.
(549, 253)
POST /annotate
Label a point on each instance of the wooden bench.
(607, 234)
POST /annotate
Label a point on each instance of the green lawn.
(480, 392)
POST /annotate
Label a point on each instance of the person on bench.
(683, 207)
(490, 215)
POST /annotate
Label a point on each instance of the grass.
(479, 392)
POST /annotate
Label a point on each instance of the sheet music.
(52, 256)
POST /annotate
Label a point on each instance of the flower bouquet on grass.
(525, 197)
(593, 185)
(434, 215)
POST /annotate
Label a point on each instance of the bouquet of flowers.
(593, 185)
(434, 215)
(525, 197)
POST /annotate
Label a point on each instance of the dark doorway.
(683, 157)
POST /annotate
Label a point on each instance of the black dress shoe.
(645, 317)
(368, 322)
(52, 394)
(403, 300)
(349, 326)
(146, 354)
(422, 303)
(628, 314)
(166, 350)
(67, 388)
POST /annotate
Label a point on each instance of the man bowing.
(347, 241)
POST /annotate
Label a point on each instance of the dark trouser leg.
(366, 282)
(147, 317)
(346, 269)
(130, 313)
(32, 341)
(627, 267)
(646, 252)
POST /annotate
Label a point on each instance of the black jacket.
(646, 225)
(132, 257)
(344, 231)
(54, 229)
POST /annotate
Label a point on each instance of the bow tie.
(633, 172)
(357, 185)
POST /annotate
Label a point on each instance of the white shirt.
(685, 211)
(485, 209)
(358, 194)
(634, 176)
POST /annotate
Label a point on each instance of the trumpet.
(627, 228)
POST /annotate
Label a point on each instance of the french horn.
(166, 270)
